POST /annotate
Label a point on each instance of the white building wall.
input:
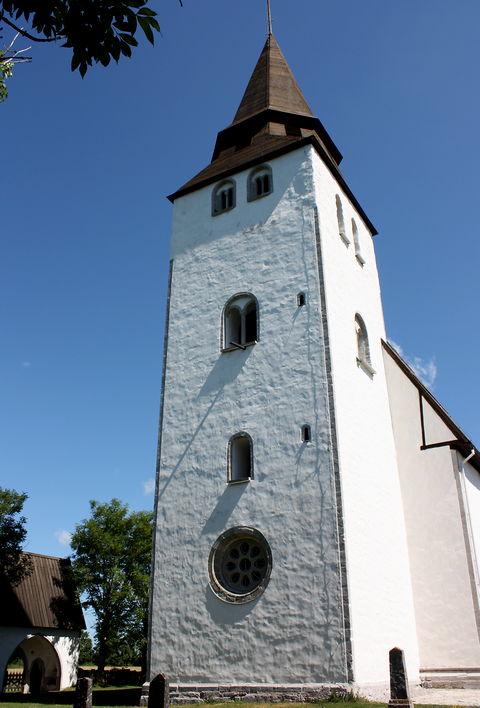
(472, 491)
(294, 632)
(380, 591)
(432, 498)
(65, 644)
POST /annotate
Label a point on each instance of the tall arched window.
(223, 197)
(240, 322)
(356, 243)
(240, 458)
(260, 183)
(340, 220)
(363, 347)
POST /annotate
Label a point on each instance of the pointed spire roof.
(273, 118)
(272, 86)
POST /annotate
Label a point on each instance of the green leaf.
(129, 39)
(145, 25)
(146, 11)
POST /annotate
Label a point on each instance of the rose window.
(240, 564)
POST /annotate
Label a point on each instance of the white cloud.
(425, 369)
(63, 537)
(396, 346)
(149, 486)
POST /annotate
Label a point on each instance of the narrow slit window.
(306, 433)
(356, 243)
(240, 322)
(341, 221)
(259, 183)
(301, 299)
(240, 458)
(223, 197)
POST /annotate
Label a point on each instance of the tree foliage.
(14, 564)
(111, 563)
(86, 656)
(96, 31)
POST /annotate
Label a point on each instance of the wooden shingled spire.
(272, 86)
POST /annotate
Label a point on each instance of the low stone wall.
(288, 693)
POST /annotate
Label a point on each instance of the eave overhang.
(256, 154)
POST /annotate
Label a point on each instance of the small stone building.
(40, 622)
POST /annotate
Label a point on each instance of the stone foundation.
(286, 693)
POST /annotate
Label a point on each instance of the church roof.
(273, 118)
(461, 441)
(45, 598)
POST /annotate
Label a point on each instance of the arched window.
(240, 458)
(363, 348)
(260, 183)
(356, 243)
(240, 322)
(223, 197)
(340, 220)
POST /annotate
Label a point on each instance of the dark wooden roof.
(44, 599)
(273, 118)
(461, 442)
(272, 85)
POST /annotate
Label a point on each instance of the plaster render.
(438, 546)
(293, 633)
(380, 591)
(50, 645)
(331, 509)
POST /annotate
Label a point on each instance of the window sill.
(236, 349)
(223, 211)
(239, 481)
(253, 198)
(345, 240)
(362, 364)
(360, 259)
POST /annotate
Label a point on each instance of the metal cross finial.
(269, 15)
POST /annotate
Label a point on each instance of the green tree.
(86, 656)
(111, 563)
(14, 563)
(95, 31)
(8, 58)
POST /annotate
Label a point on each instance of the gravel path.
(429, 696)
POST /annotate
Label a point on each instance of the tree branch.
(24, 33)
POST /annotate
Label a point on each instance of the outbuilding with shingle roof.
(40, 622)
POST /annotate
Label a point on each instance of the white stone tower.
(280, 549)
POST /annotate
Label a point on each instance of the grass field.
(97, 703)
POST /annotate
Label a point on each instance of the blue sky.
(85, 224)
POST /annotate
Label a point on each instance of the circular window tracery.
(239, 565)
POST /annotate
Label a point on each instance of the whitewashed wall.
(380, 591)
(441, 572)
(294, 631)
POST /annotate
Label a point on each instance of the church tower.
(280, 550)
